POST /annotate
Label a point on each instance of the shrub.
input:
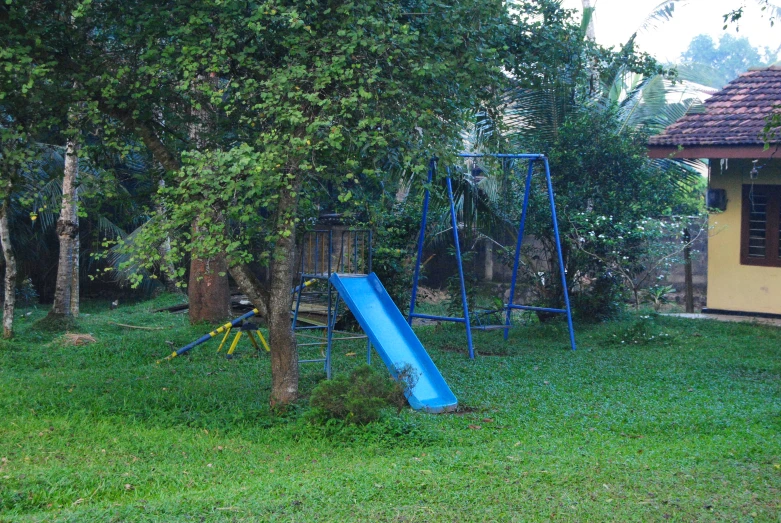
(360, 397)
(394, 249)
(602, 300)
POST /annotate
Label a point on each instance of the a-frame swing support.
(510, 306)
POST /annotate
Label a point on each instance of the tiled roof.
(733, 116)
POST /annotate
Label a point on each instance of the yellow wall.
(732, 286)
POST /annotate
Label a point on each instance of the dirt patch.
(432, 296)
(492, 354)
(462, 410)
(453, 348)
(71, 338)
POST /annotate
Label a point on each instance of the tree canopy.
(728, 58)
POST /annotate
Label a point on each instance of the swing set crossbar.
(532, 308)
(433, 317)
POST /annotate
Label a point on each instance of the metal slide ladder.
(319, 260)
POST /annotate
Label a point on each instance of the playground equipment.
(319, 260)
(226, 328)
(394, 340)
(247, 327)
(384, 326)
(510, 306)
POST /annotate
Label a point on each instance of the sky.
(616, 20)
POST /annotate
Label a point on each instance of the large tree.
(319, 94)
(66, 294)
(297, 95)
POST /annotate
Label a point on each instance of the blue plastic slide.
(394, 340)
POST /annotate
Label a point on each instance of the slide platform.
(394, 340)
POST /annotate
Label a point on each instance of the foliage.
(26, 293)
(556, 71)
(395, 233)
(729, 58)
(590, 110)
(606, 190)
(349, 83)
(358, 398)
(772, 130)
(600, 298)
(639, 251)
(658, 295)
(642, 330)
(768, 9)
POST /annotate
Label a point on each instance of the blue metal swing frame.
(510, 306)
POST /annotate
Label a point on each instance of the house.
(744, 184)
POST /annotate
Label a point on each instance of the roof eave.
(714, 151)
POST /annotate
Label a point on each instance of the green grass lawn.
(652, 419)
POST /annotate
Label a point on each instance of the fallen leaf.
(488, 420)
(475, 427)
(351, 354)
(128, 486)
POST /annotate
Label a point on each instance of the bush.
(394, 249)
(358, 398)
(602, 300)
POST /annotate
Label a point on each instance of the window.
(760, 236)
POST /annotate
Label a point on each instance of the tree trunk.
(284, 353)
(208, 291)
(67, 231)
(588, 10)
(249, 284)
(10, 273)
(489, 260)
(74, 305)
(590, 32)
(687, 264)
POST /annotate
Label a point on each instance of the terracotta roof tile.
(733, 116)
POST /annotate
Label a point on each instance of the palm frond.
(660, 14)
(121, 261)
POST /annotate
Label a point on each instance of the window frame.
(772, 226)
